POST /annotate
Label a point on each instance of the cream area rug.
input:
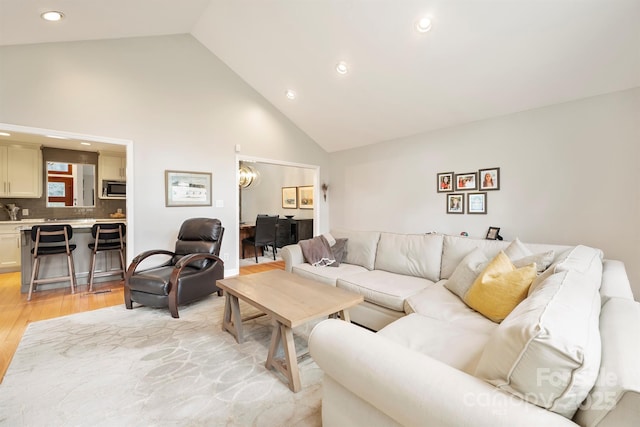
(141, 367)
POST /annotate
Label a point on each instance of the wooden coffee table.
(291, 301)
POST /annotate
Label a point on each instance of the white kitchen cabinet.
(112, 166)
(20, 171)
(9, 249)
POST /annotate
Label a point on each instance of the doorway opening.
(276, 187)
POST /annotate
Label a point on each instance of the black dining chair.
(265, 235)
(107, 237)
(52, 240)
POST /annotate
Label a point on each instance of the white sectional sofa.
(566, 355)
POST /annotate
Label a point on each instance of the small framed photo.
(455, 203)
(466, 181)
(476, 203)
(305, 197)
(184, 188)
(489, 179)
(493, 233)
(445, 182)
(289, 197)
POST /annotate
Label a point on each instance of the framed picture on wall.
(445, 182)
(289, 198)
(477, 203)
(184, 188)
(455, 203)
(305, 197)
(489, 179)
(466, 181)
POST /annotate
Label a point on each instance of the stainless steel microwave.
(114, 188)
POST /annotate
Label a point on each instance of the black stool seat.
(52, 250)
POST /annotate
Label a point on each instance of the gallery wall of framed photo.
(466, 192)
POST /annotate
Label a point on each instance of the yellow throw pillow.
(500, 288)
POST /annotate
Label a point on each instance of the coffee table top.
(293, 300)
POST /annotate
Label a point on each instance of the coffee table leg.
(289, 366)
(232, 320)
(344, 315)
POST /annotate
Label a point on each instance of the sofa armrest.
(615, 282)
(414, 389)
(292, 255)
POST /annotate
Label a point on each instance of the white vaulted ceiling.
(481, 59)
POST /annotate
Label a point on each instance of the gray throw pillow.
(339, 250)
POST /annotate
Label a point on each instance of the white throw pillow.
(521, 256)
(466, 272)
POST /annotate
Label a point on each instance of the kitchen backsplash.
(37, 209)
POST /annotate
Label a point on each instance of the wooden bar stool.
(107, 237)
(52, 240)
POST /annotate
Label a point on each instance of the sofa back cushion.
(410, 254)
(455, 248)
(547, 350)
(360, 248)
(615, 399)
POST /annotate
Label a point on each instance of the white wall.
(180, 105)
(265, 195)
(568, 176)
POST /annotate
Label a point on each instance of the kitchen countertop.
(27, 224)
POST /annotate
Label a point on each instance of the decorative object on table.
(325, 188)
(289, 216)
(289, 197)
(12, 210)
(445, 182)
(305, 197)
(476, 203)
(489, 179)
(466, 181)
(494, 233)
(455, 203)
(464, 234)
(183, 188)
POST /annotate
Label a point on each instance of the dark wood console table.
(291, 231)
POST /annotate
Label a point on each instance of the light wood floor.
(16, 312)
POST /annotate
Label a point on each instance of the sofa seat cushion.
(547, 351)
(439, 303)
(456, 346)
(410, 254)
(326, 275)
(383, 288)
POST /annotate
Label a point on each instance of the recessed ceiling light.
(342, 67)
(52, 15)
(423, 25)
(5, 134)
(290, 94)
(56, 137)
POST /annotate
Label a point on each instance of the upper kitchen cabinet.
(112, 166)
(20, 171)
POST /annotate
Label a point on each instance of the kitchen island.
(52, 266)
